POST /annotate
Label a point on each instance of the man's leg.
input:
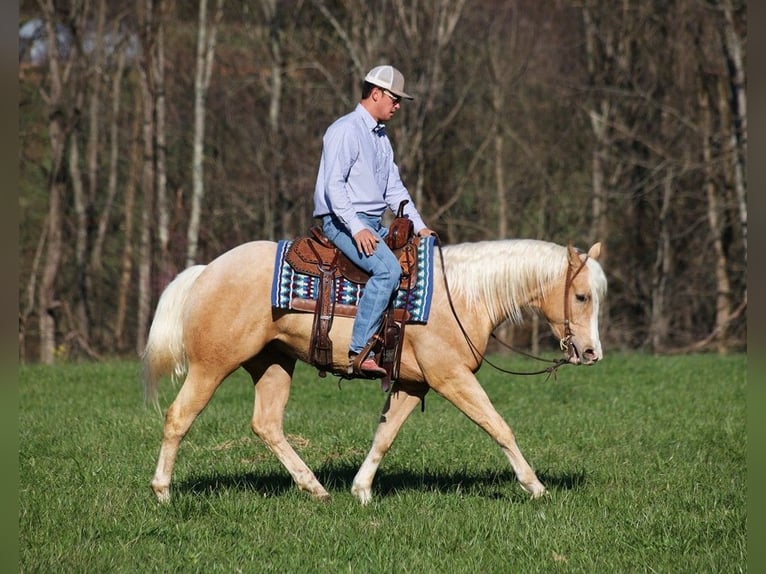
(385, 274)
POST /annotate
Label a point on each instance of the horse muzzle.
(580, 355)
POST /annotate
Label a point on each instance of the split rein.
(565, 343)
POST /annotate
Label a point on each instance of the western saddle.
(316, 256)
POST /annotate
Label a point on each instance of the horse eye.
(581, 298)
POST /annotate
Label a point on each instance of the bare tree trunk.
(94, 106)
(500, 191)
(599, 120)
(47, 301)
(81, 235)
(126, 267)
(275, 210)
(28, 307)
(505, 331)
(738, 137)
(60, 79)
(279, 196)
(114, 156)
(600, 115)
(83, 308)
(658, 327)
(148, 94)
(206, 39)
(166, 270)
(714, 210)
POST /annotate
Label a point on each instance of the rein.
(565, 343)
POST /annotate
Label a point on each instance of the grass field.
(644, 459)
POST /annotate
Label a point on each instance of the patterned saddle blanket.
(297, 291)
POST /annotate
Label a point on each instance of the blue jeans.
(385, 274)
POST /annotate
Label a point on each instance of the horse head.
(572, 306)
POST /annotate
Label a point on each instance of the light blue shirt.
(357, 173)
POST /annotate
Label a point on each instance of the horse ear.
(595, 251)
(573, 255)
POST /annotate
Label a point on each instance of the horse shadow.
(338, 478)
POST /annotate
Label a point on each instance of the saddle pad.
(289, 284)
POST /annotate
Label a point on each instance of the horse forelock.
(598, 283)
(502, 276)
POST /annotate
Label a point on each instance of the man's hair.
(367, 89)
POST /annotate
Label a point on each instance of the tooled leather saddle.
(315, 255)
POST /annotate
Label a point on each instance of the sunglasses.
(394, 99)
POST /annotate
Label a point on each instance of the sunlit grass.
(644, 459)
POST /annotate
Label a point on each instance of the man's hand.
(366, 241)
(425, 232)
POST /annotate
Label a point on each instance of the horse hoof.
(162, 493)
(321, 497)
(538, 493)
(535, 490)
(363, 495)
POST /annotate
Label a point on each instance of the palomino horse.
(213, 319)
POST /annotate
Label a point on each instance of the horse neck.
(502, 278)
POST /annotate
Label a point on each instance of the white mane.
(501, 276)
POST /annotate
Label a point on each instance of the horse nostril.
(590, 356)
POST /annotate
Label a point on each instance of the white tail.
(164, 353)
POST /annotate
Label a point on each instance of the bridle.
(565, 343)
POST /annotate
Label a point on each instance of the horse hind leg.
(398, 406)
(196, 392)
(272, 376)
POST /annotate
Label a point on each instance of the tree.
(206, 40)
(64, 80)
(149, 62)
(624, 122)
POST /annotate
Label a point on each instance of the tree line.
(158, 134)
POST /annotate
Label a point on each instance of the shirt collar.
(369, 121)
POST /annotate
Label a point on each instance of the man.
(357, 180)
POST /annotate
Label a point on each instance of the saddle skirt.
(299, 264)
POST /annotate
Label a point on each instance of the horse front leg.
(399, 404)
(272, 390)
(465, 392)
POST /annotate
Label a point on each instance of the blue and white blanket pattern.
(289, 284)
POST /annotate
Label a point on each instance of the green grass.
(644, 459)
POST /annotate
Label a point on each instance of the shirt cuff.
(355, 225)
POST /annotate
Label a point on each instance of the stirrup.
(356, 362)
(364, 365)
